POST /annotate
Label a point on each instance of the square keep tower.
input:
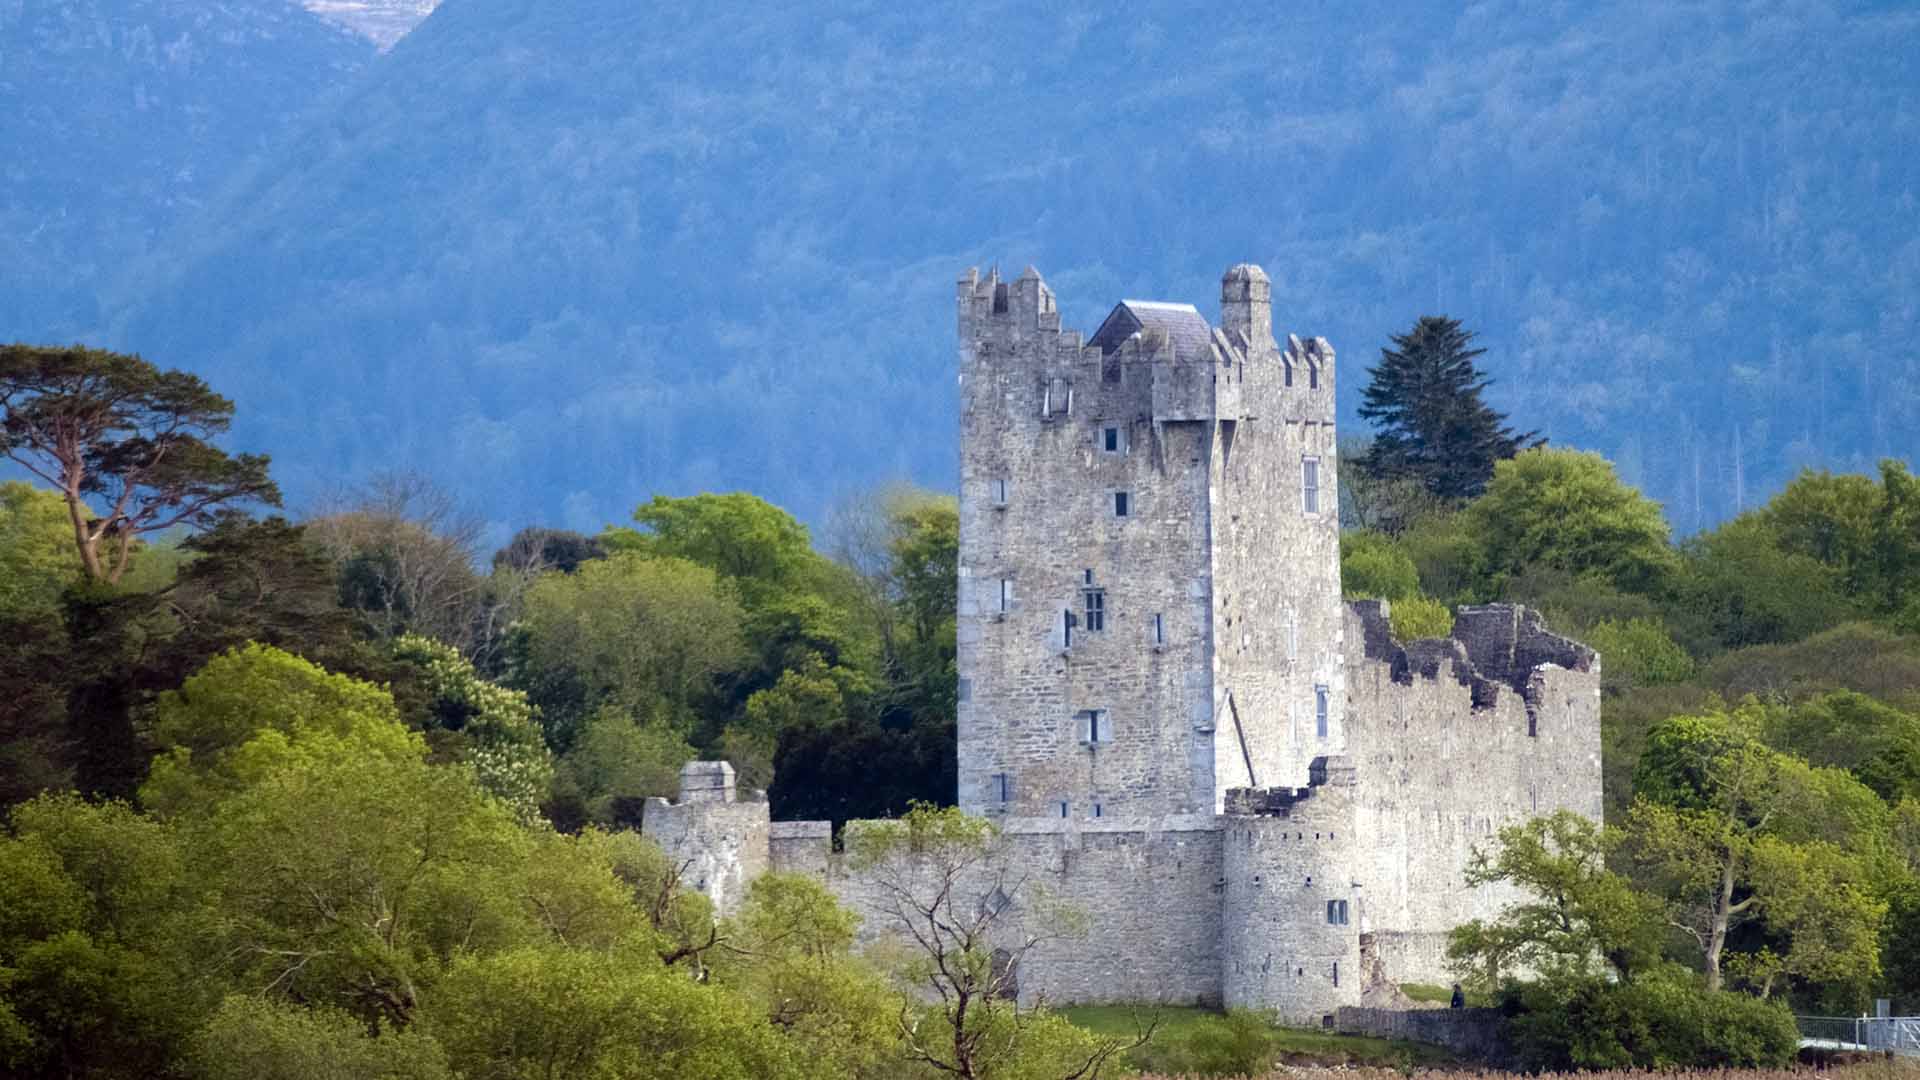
(1149, 608)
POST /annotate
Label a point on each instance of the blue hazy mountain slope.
(564, 255)
(119, 117)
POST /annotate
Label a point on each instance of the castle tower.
(1149, 603)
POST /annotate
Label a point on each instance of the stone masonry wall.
(1292, 945)
(1447, 751)
(1220, 584)
(1278, 617)
(1038, 529)
(720, 842)
(1149, 900)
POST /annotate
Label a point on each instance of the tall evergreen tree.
(1432, 426)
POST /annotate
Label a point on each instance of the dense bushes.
(1658, 1023)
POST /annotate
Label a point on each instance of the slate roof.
(1185, 326)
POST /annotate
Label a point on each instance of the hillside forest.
(348, 795)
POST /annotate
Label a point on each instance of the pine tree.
(1432, 426)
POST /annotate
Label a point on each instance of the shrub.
(1418, 617)
(1372, 566)
(1639, 652)
(1660, 1023)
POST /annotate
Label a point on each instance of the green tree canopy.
(1432, 426)
(650, 636)
(1577, 913)
(1567, 510)
(124, 444)
(36, 548)
(1726, 831)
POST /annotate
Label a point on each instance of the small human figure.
(1459, 998)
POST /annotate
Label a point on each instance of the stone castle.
(1252, 792)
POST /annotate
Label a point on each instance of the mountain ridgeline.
(564, 255)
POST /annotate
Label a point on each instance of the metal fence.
(1897, 1034)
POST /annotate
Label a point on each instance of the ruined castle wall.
(1037, 518)
(1291, 937)
(1122, 914)
(1447, 752)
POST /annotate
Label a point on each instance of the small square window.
(1336, 913)
(1120, 504)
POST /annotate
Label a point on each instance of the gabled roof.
(1185, 326)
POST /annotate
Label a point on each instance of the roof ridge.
(1170, 305)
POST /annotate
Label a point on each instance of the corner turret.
(1246, 307)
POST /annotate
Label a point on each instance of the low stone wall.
(1480, 1034)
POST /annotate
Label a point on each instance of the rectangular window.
(1068, 620)
(1006, 595)
(1336, 912)
(1096, 610)
(1046, 401)
(1003, 787)
(1095, 727)
(1113, 440)
(1063, 809)
(964, 689)
(1313, 375)
(1096, 809)
(1069, 401)
(1533, 725)
(1336, 973)
(1320, 711)
(1119, 504)
(999, 492)
(1288, 366)
(1310, 484)
(1159, 629)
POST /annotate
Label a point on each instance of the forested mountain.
(563, 255)
(119, 118)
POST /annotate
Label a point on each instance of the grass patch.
(1205, 1042)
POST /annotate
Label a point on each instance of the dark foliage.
(859, 769)
(1432, 426)
(538, 548)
